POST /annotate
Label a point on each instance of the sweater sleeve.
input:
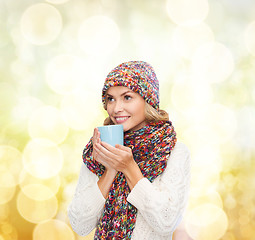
(87, 204)
(162, 202)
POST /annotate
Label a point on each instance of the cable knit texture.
(160, 204)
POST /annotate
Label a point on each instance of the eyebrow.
(129, 91)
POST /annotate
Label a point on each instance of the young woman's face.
(125, 107)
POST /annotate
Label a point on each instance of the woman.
(139, 190)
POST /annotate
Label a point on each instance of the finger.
(98, 134)
(100, 160)
(111, 149)
(119, 150)
(95, 136)
(104, 155)
(96, 148)
(121, 147)
(107, 150)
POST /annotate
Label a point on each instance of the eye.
(109, 99)
(127, 97)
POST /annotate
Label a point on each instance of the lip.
(121, 119)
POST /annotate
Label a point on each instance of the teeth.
(121, 118)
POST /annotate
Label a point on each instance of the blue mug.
(111, 134)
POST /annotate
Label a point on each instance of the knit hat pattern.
(138, 76)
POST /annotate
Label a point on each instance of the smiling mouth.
(120, 120)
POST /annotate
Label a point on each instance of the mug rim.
(107, 126)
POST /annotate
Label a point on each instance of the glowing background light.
(223, 121)
(64, 73)
(207, 222)
(53, 230)
(77, 116)
(3, 35)
(36, 211)
(212, 62)
(7, 186)
(187, 39)
(10, 160)
(25, 106)
(249, 38)
(209, 196)
(4, 212)
(99, 35)
(210, 176)
(41, 23)
(246, 116)
(186, 95)
(37, 192)
(8, 231)
(42, 158)
(7, 92)
(30, 184)
(187, 12)
(57, 1)
(47, 122)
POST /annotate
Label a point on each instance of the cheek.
(140, 110)
(108, 108)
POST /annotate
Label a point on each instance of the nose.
(118, 107)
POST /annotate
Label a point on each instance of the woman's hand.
(121, 159)
(95, 139)
(97, 156)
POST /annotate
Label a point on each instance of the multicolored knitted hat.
(139, 76)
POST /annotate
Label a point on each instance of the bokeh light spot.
(79, 110)
(36, 211)
(64, 73)
(3, 35)
(53, 230)
(198, 197)
(42, 158)
(187, 39)
(41, 23)
(99, 35)
(37, 192)
(4, 212)
(212, 62)
(8, 232)
(25, 107)
(10, 160)
(8, 93)
(57, 1)
(51, 184)
(187, 12)
(47, 122)
(186, 96)
(206, 222)
(222, 120)
(7, 186)
(249, 38)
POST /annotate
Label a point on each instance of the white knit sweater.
(160, 204)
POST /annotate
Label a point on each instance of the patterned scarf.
(151, 147)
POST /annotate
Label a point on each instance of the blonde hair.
(151, 115)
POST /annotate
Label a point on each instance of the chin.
(126, 128)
